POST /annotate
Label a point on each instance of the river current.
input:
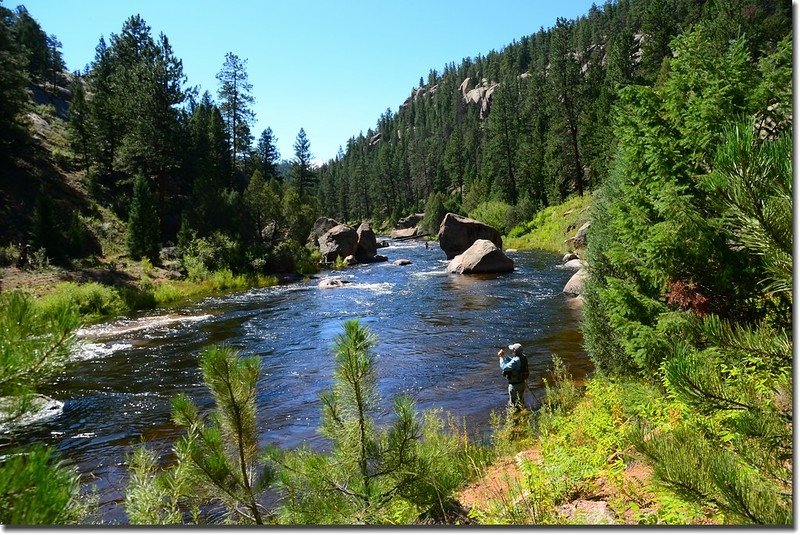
(438, 335)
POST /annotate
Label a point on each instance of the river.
(438, 335)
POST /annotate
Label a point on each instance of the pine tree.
(235, 102)
(13, 86)
(143, 228)
(79, 122)
(302, 174)
(367, 466)
(219, 459)
(268, 155)
(35, 344)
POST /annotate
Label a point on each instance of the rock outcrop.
(367, 244)
(575, 284)
(458, 233)
(482, 257)
(321, 226)
(404, 233)
(340, 241)
(481, 95)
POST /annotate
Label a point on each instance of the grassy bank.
(574, 462)
(550, 228)
(95, 301)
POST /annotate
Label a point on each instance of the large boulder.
(458, 233)
(482, 257)
(404, 233)
(367, 244)
(339, 242)
(321, 226)
(575, 284)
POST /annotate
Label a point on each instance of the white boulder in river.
(575, 284)
(482, 257)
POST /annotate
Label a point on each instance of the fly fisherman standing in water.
(515, 369)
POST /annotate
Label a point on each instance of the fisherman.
(515, 369)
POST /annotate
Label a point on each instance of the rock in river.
(339, 242)
(458, 233)
(482, 257)
(574, 286)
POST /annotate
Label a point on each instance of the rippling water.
(438, 335)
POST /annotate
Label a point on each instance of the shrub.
(9, 255)
(91, 300)
(493, 213)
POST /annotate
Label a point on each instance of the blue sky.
(329, 67)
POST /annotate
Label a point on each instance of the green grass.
(584, 443)
(96, 302)
(550, 228)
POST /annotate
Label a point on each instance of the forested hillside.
(531, 124)
(674, 117)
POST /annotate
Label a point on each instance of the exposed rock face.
(481, 95)
(482, 257)
(575, 284)
(458, 233)
(367, 244)
(321, 226)
(404, 233)
(410, 221)
(339, 242)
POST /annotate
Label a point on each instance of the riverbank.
(103, 292)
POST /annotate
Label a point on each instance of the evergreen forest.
(669, 121)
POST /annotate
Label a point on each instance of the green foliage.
(372, 474)
(493, 213)
(218, 458)
(92, 300)
(236, 102)
(9, 254)
(45, 232)
(37, 490)
(34, 344)
(151, 498)
(435, 210)
(550, 227)
(13, 87)
(143, 238)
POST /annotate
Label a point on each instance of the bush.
(36, 489)
(9, 255)
(493, 213)
(92, 300)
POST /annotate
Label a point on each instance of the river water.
(438, 335)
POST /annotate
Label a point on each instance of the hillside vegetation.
(666, 124)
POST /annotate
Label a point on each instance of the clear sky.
(329, 67)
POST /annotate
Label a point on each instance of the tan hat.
(515, 348)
